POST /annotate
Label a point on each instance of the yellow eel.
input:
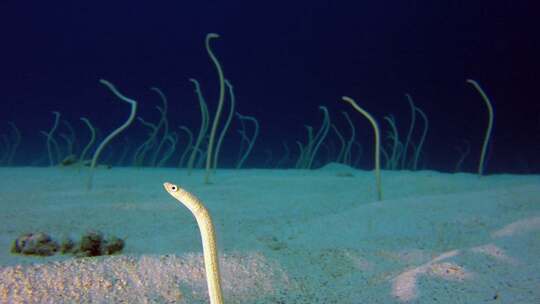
(208, 235)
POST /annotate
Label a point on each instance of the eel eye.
(174, 188)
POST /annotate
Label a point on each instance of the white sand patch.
(126, 279)
(494, 251)
(448, 271)
(518, 227)
(405, 287)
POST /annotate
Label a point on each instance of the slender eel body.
(208, 235)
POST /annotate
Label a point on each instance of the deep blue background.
(285, 58)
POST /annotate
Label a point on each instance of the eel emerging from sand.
(208, 235)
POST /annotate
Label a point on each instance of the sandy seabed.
(285, 236)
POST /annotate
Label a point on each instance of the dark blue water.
(285, 59)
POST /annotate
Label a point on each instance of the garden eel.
(208, 235)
